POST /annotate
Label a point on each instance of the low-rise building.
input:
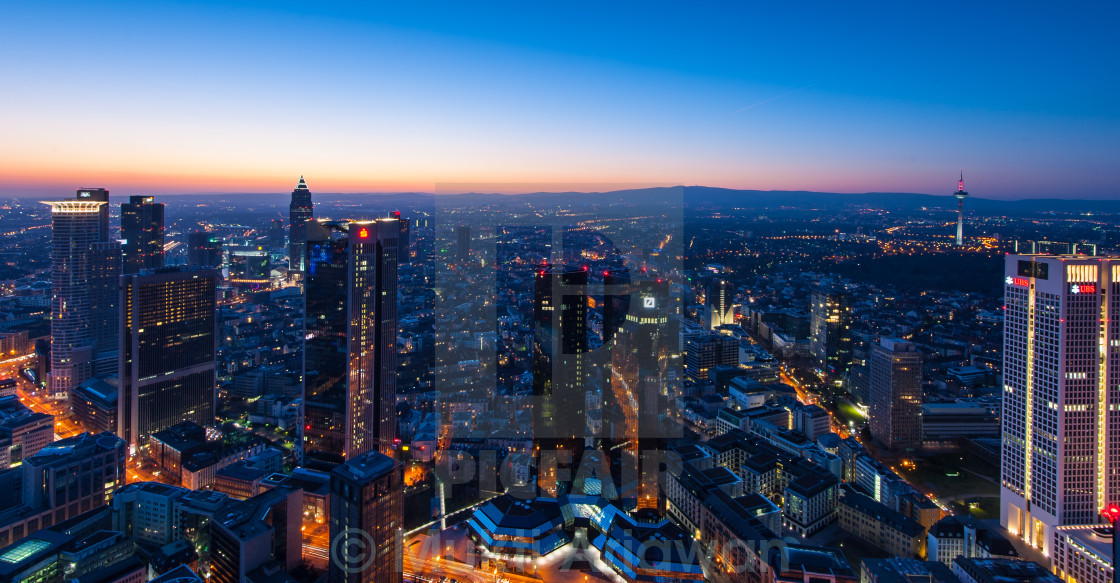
(977, 570)
(956, 536)
(1083, 553)
(879, 526)
(809, 502)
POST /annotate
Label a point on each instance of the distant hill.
(700, 197)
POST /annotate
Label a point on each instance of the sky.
(189, 97)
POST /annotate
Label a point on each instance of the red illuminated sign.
(1020, 281)
(363, 233)
(1083, 288)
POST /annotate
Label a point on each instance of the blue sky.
(852, 97)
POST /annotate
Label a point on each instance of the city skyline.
(563, 292)
(395, 99)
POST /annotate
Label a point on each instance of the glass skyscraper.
(168, 348)
(142, 235)
(350, 321)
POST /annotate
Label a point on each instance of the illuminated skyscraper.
(300, 212)
(961, 195)
(350, 331)
(97, 195)
(367, 512)
(720, 303)
(84, 271)
(168, 349)
(1061, 403)
(141, 234)
(830, 332)
(896, 394)
(639, 388)
(559, 366)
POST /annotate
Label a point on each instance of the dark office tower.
(830, 332)
(404, 251)
(702, 352)
(168, 347)
(104, 305)
(350, 331)
(98, 195)
(82, 267)
(616, 301)
(638, 386)
(559, 368)
(204, 249)
(367, 514)
(142, 234)
(276, 234)
(300, 212)
(720, 302)
(463, 235)
(896, 394)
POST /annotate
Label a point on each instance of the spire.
(960, 183)
(302, 184)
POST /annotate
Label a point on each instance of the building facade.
(142, 236)
(896, 394)
(560, 368)
(639, 379)
(830, 332)
(168, 348)
(367, 499)
(350, 332)
(300, 212)
(84, 269)
(1061, 406)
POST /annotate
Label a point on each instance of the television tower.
(961, 195)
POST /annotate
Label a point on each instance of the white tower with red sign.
(1061, 393)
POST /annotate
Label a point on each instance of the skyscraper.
(830, 328)
(720, 303)
(702, 352)
(84, 271)
(1061, 407)
(350, 331)
(276, 234)
(638, 385)
(97, 195)
(463, 238)
(896, 394)
(961, 195)
(204, 249)
(616, 301)
(141, 234)
(404, 251)
(168, 348)
(367, 513)
(104, 311)
(300, 212)
(559, 366)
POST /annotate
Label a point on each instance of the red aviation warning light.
(1111, 512)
